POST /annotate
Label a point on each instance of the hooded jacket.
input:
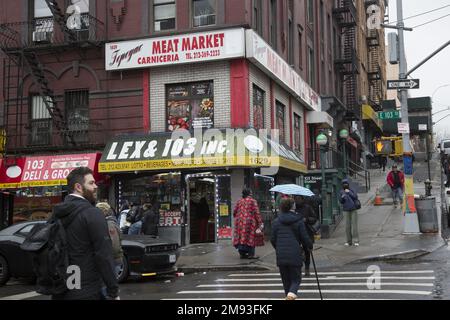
(89, 248)
(288, 233)
(348, 199)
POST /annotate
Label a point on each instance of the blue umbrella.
(292, 189)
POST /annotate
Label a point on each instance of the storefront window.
(190, 106)
(162, 188)
(31, 204)
(265, 199)
(258, 107)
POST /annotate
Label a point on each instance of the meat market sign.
(188, 48)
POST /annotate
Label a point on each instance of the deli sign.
(188, 48)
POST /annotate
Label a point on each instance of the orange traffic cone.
(378, 199)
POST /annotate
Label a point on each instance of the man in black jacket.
(89, 244)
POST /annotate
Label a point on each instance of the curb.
(398, 256)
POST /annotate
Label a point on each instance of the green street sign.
(389, 115)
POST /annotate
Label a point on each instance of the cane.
(317, 277)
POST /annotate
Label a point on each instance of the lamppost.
(322, 141)
(435, 91)
(343, 134)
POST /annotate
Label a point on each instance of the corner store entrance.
(208, 193)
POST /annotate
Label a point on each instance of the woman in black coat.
(288, 236)
(306, 210)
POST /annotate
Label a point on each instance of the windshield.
(447, 144)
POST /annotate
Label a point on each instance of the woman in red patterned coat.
(247, 222)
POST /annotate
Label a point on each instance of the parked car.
(444, 146)
(144, 256)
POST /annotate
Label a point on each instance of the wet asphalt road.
(426, 278)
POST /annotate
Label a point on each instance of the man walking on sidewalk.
(396, 180)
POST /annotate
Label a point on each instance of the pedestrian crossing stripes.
(335, 285)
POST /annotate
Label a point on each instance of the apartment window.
(310, 11)
(291, 33)
(273, 23)
(190, 106)
(204, 12)
(281, 120)
(164, 13)
(257, 16)
(40, 122)
(77, 114)
(258, 107)
(42, 22)
(297, 133)
(311, 67)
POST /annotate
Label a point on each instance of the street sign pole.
(411, 221)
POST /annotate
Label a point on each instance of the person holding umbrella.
(288, 235)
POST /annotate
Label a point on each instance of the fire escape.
(24, 43)
(346, 60)
(375, 76)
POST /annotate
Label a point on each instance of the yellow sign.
(370, 114)
(2, 140)
(205, 162)
(223, 210)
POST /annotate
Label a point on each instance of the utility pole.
(411, 221)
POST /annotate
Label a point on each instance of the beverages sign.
(188, 48)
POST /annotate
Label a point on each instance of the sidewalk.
(380, 231)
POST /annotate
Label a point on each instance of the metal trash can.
(427, 214)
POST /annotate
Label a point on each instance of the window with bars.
(40, 122)
(281, 121)
(164, 14)
(42, 22)
(77, 114)
(297, 133)
(258, 107)
(204, 12)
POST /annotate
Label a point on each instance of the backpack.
(47, 244)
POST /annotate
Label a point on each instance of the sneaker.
(291, 296)
(347, 244)
(356, 244)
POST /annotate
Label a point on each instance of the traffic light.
(383, 147)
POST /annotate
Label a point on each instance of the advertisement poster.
(170, 218)
(190, 106)
(223, 210)
(225, 233)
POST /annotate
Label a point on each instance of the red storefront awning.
(44, 171)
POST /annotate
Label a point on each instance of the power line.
(434, 20)
(423, 13)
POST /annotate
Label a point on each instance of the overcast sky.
(422, 42)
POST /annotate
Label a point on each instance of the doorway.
(201, 208)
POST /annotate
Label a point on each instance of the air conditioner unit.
(42, 36)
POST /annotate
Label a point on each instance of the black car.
(144, 256)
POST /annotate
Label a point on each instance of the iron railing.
(45, 32)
